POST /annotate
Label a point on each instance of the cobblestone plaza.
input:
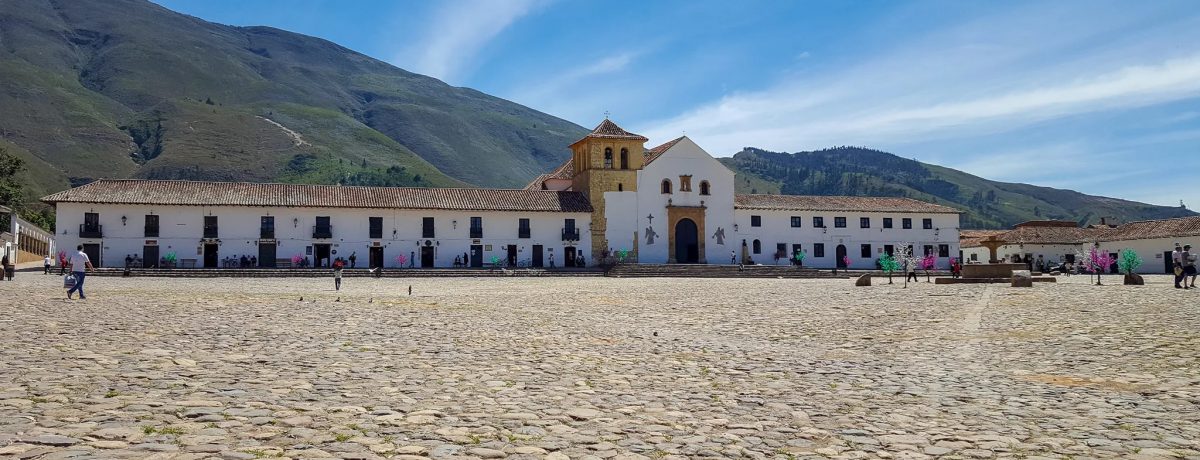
(597, 368)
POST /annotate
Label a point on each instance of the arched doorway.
(841, 256)
(687, 243)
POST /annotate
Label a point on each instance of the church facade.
(613, 198)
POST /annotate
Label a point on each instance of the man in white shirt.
(46, 264)
(80, 265)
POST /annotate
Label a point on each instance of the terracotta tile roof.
(971, 238)
(1052, 235)
(838, 203)
(656, 152)
(536, 183)
(1162, 228)
(609, 130)
(563, 171)
(1060, 233)
(177, 192)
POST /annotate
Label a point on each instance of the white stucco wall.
(777, 228)
(181, 229)
(684, 158)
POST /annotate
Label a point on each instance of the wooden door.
(210, 256)
(93, 252)
(150, 256)
(537, 256)
(266, 254)
(426, 256)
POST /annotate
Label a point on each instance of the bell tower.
(606, 160)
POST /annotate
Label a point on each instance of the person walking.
(412, 259)
(353, 258)
(1177, 264)
(80, 265)
(46, 264)
(1189, 266)
(337, 274)
(911, 269)
(732, 258)
(551, 260)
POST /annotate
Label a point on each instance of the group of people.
(1184, 262)
(234, 262)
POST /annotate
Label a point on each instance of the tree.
(888, 264)
(1095, 262)
(904, 258)
(929, 262)
(11, 192)
(1128, 261)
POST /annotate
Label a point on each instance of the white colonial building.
(673, 203)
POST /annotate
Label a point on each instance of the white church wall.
(685, 158)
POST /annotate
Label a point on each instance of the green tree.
(12, 192)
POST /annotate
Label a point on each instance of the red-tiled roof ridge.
(203, 193)
(609, 130)
(654, 153)
(563, 171)
(839, 203)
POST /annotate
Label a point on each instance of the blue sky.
(1101, 97)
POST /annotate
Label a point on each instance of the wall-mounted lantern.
(123, 219)
(295, 222)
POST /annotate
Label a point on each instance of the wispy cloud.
(561, 93)
(995, 74)
(455, 33)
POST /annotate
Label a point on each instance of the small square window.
(818, 249)
(864, 222)
(818, 222)
(866, 251)
(796, 221)
(927, 224)
(943, 250)
(887, 222)
(906, 223)
(839, 222)
(756, 221)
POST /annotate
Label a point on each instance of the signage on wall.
(487, 247)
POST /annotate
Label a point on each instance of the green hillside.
(125, 88)
(987, 204)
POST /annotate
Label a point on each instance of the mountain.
(987, 204)
(126, 88)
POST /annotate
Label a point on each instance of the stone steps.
(347, 273)
(719, 271)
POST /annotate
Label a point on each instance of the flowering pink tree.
(1096, 262)
(929, 262)
(401, 260)
(846, 262)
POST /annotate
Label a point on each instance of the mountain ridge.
(986, 203)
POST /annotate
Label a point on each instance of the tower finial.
(605, 114)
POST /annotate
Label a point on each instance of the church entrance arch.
(687, 242)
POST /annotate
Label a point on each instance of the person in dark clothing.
(353, 259)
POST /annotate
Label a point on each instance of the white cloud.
(455, 33)
(561, 94)
(997, 74)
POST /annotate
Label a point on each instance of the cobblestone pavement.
(525, 368)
